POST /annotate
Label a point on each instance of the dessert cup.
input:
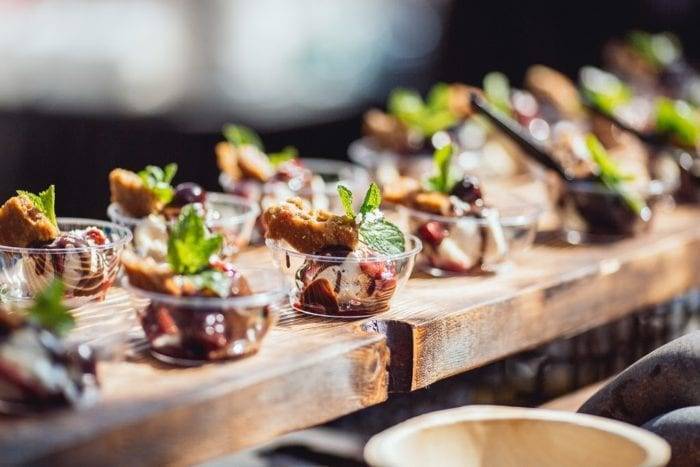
(231, 216)
(333, 173)
(189, 331)
(591, 212)
(471, 245)
(344, 283)
(87, 271)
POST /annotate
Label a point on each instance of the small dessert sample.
(247, 170)
(38, 370)
(346, 266)
(401, 140)
(461, 233)
(646, 114)
(609, 202)
(36, 248)
(196, 306)
(147, 203)
(654, 62)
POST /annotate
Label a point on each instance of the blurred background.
(89, 85)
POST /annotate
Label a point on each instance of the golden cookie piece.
(227, 160)
(401, 190)
(308, 230)
(23, 225)
(433, 202)
(387, 130)
(551, 86)
(129, 191)
(147, 274)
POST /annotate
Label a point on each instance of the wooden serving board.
(311, 370)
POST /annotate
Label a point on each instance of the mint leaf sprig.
(426, 117)
(442, 180)
(611, 176)
(191, 244)
(239, 135)
(49, 312)
(158, 181)
(497, 91)
(287, 153)
(678, 119)
(604, 90)
(374, 230)
(659, 50)
(44, 202)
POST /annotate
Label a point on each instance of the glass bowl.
(231, 216)
(87, 271)
(471, 245)
(343, 285)
(333, 173)
(591, 212)
(189, 331)
(385, 164)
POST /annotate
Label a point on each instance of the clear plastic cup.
(189, 331)
(86, 271)
(471, 245)
(344, 284)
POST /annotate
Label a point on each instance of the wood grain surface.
(311, 370)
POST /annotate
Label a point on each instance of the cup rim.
(115, 212)
(125, 237)
(280, 289)
(278, 246)
(531, 213)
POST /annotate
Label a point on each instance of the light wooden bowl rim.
(377, 450)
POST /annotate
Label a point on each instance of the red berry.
(432, 233)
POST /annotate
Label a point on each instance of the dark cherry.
(432, 233)
(467, 190)
(188, 193)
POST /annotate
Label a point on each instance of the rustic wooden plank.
(307, 372)
(452, 325)
(311, 370)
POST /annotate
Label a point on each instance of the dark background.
(75, 150)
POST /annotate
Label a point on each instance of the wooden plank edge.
(207, 424)
(478, 335)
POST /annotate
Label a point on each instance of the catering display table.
(311, 370)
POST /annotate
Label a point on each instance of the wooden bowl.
(513, 436)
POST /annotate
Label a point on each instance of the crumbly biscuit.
(227, 160)
(387, 130)
(307, 230)
(129, 191)
(400, 190)
(553, 87)
(23, 225)
(146, 274)
(433, 202)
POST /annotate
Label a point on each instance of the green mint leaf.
(214, 281)
(442, 160)
(49, 312)
(373, 199)
(158, 181)
(678, 119)
(239, 135)
(611, 176)
(439, 97)
(497, 91)
(382, 236)
(191, 244)
(44, 202)
(169, 172)
(345, 196)
(286, 154)
(425, 118)
(604, 90)
(659, 50)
